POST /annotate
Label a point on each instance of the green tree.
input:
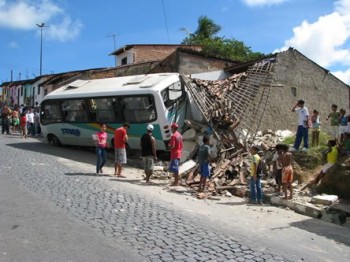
(213, 45)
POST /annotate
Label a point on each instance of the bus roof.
(126, 85)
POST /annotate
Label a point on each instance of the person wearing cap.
(176, 146)
(148, 152)
(120, 140)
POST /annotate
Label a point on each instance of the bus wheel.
(53, 140)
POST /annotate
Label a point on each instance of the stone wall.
(315, 85)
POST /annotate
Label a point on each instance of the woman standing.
(101, 146)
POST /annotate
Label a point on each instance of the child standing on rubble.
(203, 162)
(277, 167)
(255, 180)
(334, 116)
(287, 171)
(316, 125)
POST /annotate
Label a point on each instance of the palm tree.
(206, 27)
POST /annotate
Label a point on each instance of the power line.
(166, 23)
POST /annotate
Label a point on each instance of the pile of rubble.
(229, 171)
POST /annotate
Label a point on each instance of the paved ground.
(160, 225)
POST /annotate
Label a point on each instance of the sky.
(80, 34)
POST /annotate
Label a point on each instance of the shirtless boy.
(287, 171)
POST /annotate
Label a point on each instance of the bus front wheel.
(53, 140)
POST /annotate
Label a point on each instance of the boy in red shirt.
(176, 146)
(120, 139)
(23, 124)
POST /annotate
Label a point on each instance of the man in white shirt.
(303, 125)
(30, 122)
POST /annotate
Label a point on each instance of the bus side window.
(118, 109)
(51, 113)
(139, 109)
(75, 110)
(104, 110)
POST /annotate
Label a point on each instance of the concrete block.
(324, 199)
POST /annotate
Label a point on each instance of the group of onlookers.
(20, 119)
(282, 159)
(340, 129)
(148, 150)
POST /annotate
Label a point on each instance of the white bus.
(72, 113)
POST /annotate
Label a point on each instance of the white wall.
(128, 54)
(214, 75)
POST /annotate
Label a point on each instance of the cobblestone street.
(130, 218)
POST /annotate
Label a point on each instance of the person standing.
(343, 124)
(277, 168)
(15, 119)
(101, 146)
(30, 121)
(334, 116)
(203, 162)
(148, 152)
(255, 179)
(176, 146)
(120, 140)
(37, 127)
(23, 125)
(316, 126)
(287, 171)
(303, 125)
(5, 114)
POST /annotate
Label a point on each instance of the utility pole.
(41, 26)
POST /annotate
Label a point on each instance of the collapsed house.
(257, 97)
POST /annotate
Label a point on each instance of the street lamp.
(41, 25)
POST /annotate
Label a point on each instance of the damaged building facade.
(261, 93)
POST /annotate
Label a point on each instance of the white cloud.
(343, 75)
(65, 30)
(326, 40)
(263, 2)
(25, 14)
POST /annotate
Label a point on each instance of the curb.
(307, 209)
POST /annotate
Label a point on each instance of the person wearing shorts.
(203, 162)
(287, 171)
(15, 120)
(176, 146)
(148, 152)
(120, 140)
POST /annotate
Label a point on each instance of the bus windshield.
(172, 94)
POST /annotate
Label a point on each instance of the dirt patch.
(306, 166)
(309, 160)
